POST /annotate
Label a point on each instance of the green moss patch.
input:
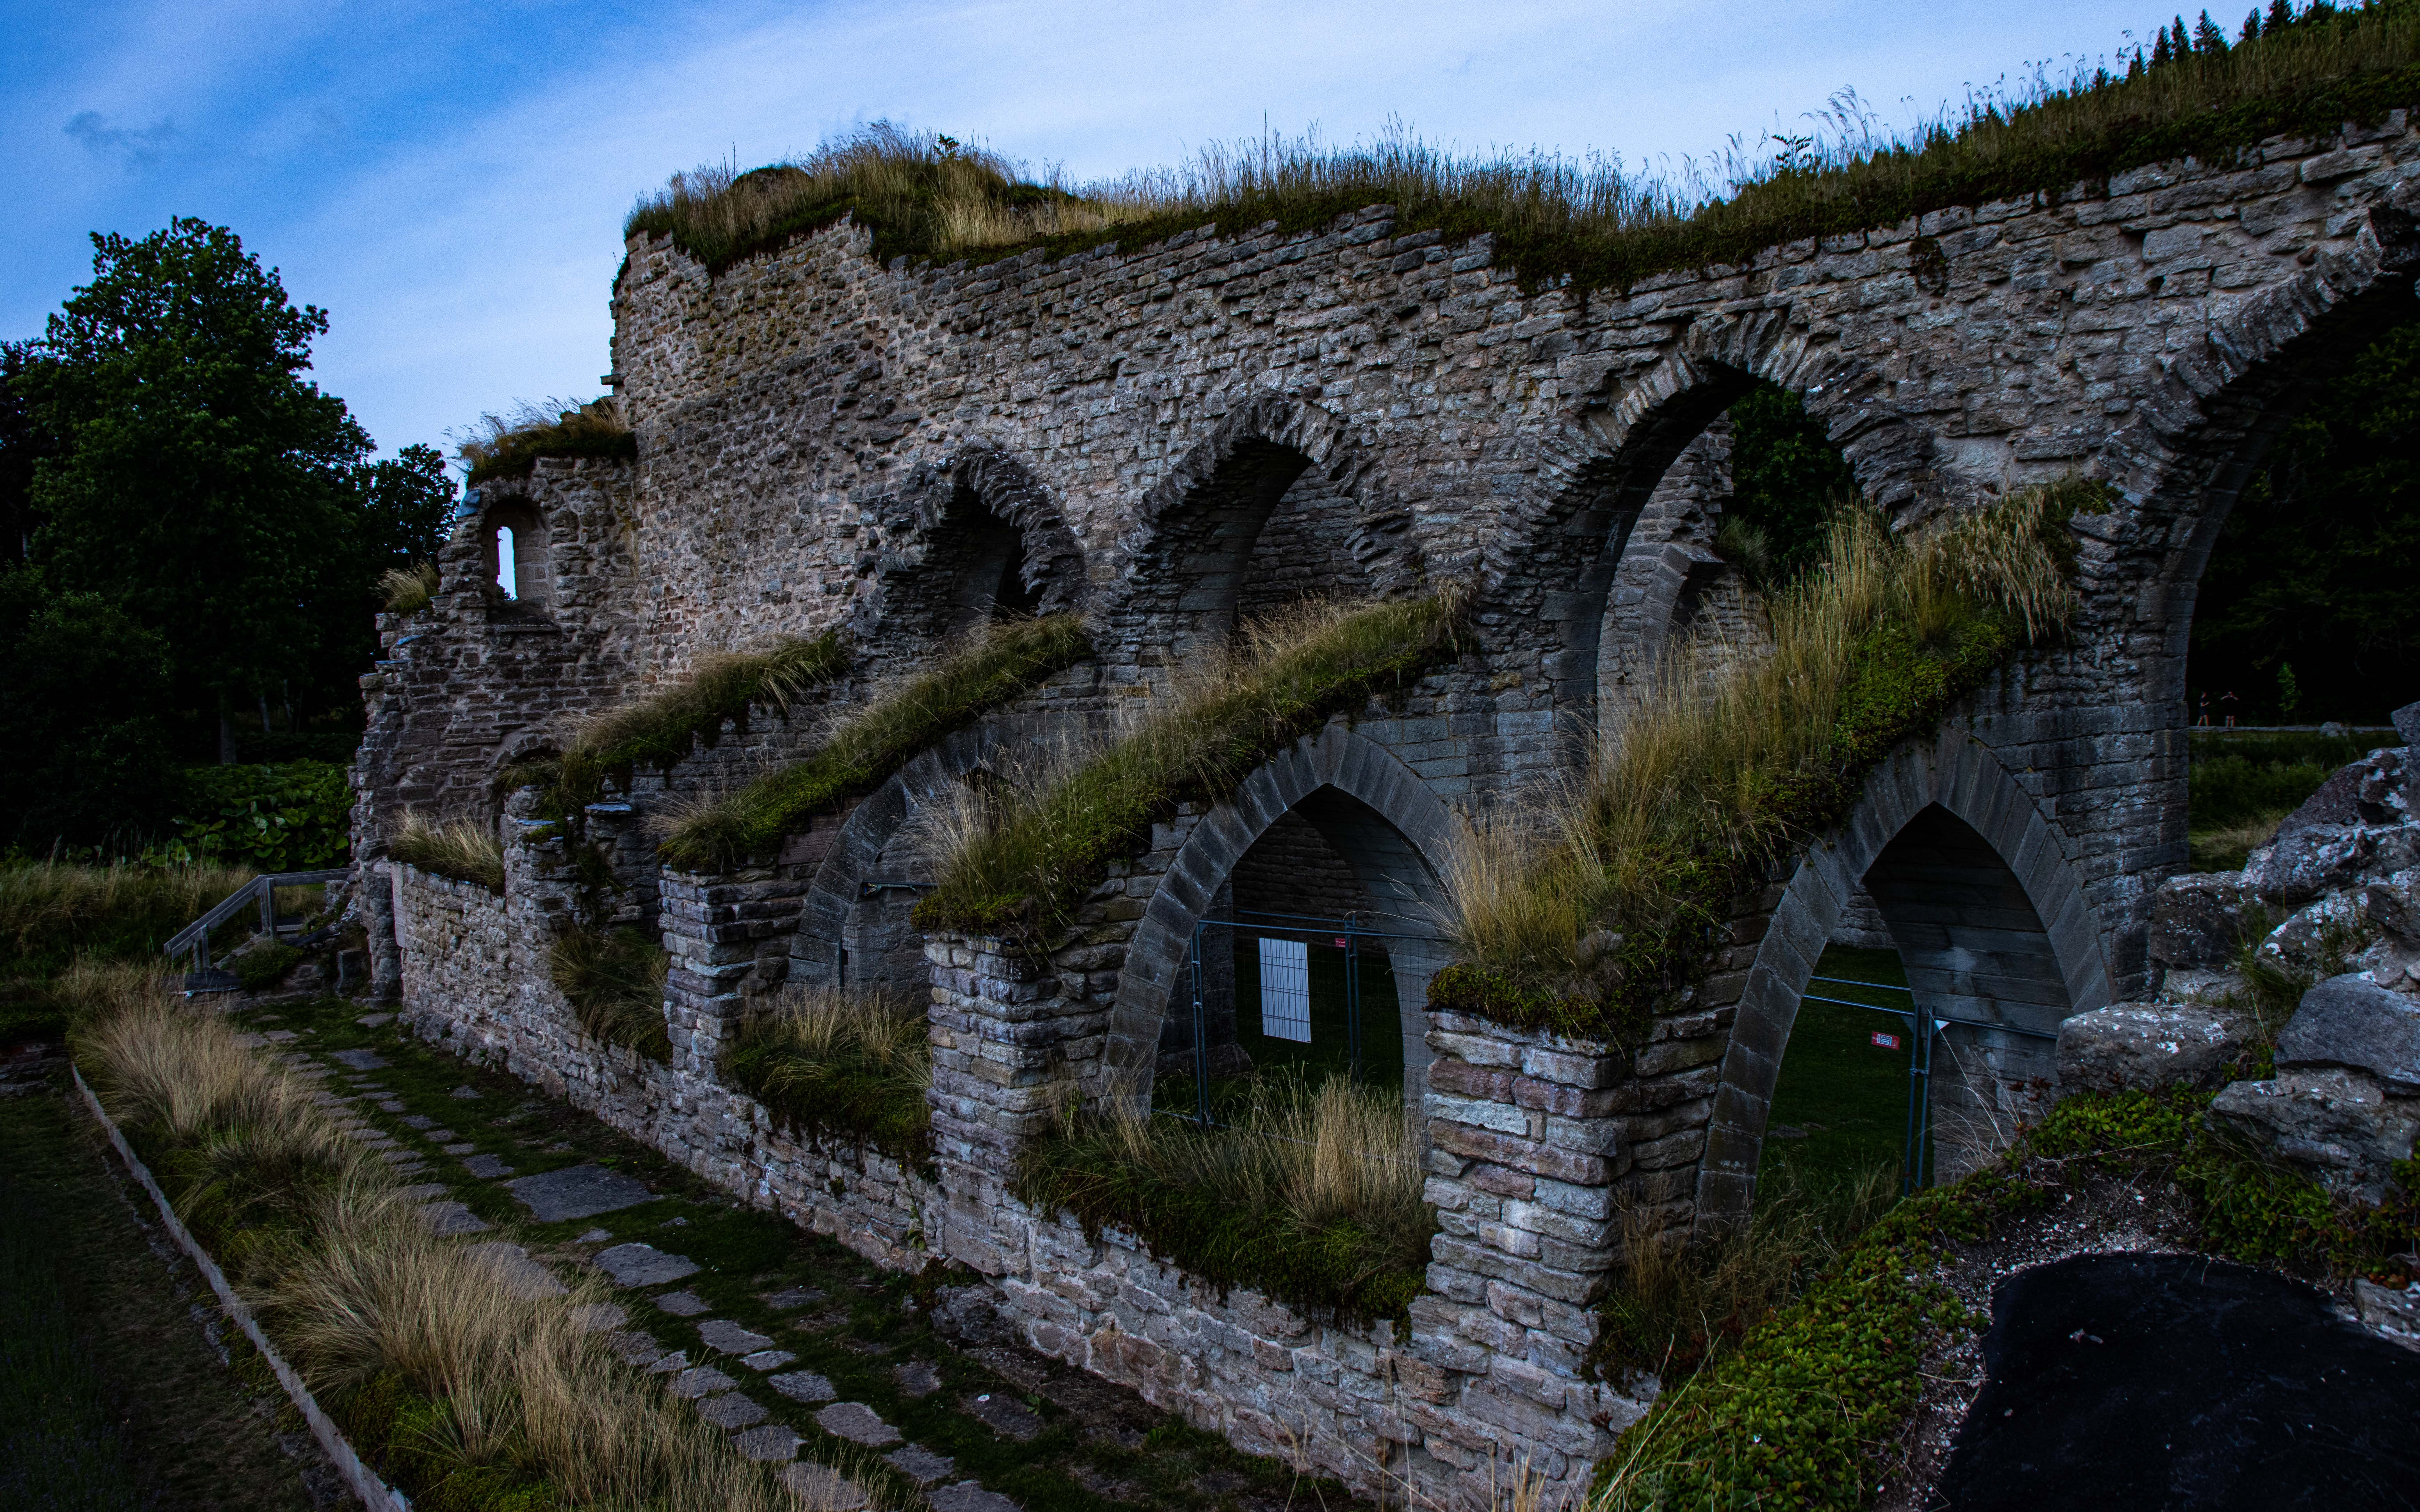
(989, 670)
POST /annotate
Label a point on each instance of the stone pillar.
(1015, 1034)
(1528, 1139)
(729, 936)
(375, 881)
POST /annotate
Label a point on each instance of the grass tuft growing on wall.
(1309, 1194)
(663, 728)
(461, 850)
(509, 446)
(855, 1065)
(1586, 915)
(1024, 863)
(1588, 220)
(409, 590)
(990, 666)
(615, 982)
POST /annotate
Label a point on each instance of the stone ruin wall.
(812, 427)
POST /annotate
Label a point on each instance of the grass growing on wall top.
(1024, 861)
(509, 446)
(1588, 220)
(663, 728)
(989, 667)
(852, 1064)
(1311, 1194)
(461, 850)
(1584, 917)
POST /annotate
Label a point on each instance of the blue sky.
(448, 181)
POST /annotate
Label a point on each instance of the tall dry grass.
(1023, 859)
(409, 590)
(508, 445)
(361, 1291)
(856, 1063)
(462, 850)
(1725, 758)
(50, 912)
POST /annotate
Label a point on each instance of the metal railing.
(194, 938)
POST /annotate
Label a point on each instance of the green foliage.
(2230, 789)
(1796, 1417)
(509, 446)
(264, 968)
(2306, 606)
(1029, 869)
(1554, 219)
(993, 666)
(86, 762)
(1787, 480)
(665, 728)
(295, 817)
(403, 1433)
(614, 982)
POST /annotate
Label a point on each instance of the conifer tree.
(2251, 28)
(2209, 37)
(2160, 49)
(2280, 15)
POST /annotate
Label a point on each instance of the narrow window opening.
(506, 569)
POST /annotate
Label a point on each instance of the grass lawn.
(1841, 1105)
(111, 1393)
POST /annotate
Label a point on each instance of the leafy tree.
(22, 443)
(2314, 568)
(409, 498)
(1786, 476)
(201, 483)
(86, 760)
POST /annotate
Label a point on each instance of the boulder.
(2202, 918)
(2148, 1046)
(2350, 1021)
(2336, 1126)
(2407, 723)
(2359, 826)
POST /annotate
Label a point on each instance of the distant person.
(2204, 720)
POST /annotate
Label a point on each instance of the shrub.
(664, 728)
(409, 590)
(1608, 902)
(461, 850)
(1025, 863)
(292, 817)
(265, 967)
(1309, 1195)
(1586, 220)
(509, 446)
(614, 982)
(855, 1066)
(866, 746)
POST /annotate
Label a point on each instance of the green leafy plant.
(1609, 901)
(1024, 862)
(615, 982)
(989, 667)
(296, 816)
(852, 1065)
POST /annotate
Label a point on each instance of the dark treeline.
(190, 536)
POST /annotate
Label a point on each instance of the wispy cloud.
(137, 147)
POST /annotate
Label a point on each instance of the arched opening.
(2304, 617)
(1314, 958)
(517, 552)
(975, 569)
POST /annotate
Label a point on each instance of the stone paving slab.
(425, 1190)
(698, 1380)
(517, 1273)
(637, 1349)
(578, 1192)
(804, 1386)
(731, 1411)
(918, 1378)
(772, 1441)
(919, 1464)
(768, 1359)
(821, 1485)
(468, 1094)
(792, 1299)
(681, 1304)
(486, 1167)
(452, 1218)
(357, 1059)
(969, 1496)
(857, 1423)
(642, 1265)
(1004, 1416)
(596, 1316)
(727, 1337)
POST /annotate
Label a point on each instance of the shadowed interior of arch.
(975, 569)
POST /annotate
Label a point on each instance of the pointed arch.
(970, 535)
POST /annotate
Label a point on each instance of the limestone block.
(2148, 1047)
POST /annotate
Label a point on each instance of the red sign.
(1886, 1041)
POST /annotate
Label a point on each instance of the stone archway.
(1965, 865)
(1396, 833)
